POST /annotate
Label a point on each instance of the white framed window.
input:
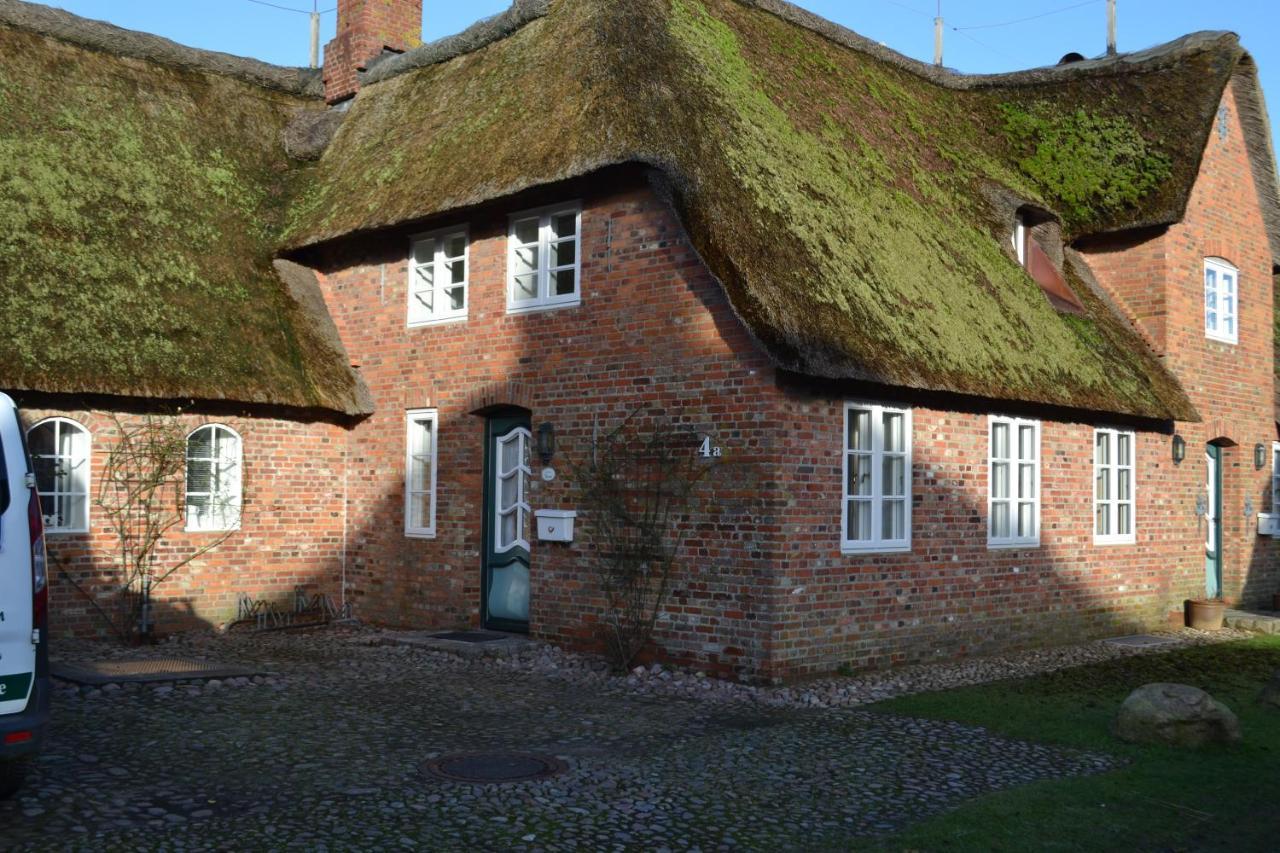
(420, 473)
(544, 260)
(511, 482)
(876, 502)
(213, 479)
(1013, 504)
(438, 273)
(60, 456)
(1275, 478)
(1113, 486)
(1221, 301)
(1020, 239)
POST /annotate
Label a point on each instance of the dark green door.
(505, 555)
(1213, 521)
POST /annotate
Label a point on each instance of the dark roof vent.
(1070, 58)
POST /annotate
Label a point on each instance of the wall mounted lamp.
(546, 442)
(1259, 456)
(1179, 449)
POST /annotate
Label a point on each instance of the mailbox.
(555, 525)
(1268, 524)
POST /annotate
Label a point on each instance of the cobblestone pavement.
(323, 754)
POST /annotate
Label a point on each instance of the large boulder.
(1175, 714)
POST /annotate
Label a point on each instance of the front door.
(505, 562)
(1213, 521)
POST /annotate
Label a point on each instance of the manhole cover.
(469, 637)
(488, 768)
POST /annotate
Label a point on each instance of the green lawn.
(1223, 798)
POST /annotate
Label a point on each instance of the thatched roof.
(142, 189)
(855, 204)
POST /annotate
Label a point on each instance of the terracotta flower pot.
(1205, 614)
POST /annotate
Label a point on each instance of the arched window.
(213, 479)
(60, 454)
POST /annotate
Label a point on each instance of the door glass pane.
(509, 454)
(508, 529)
(508, 492)
(859, 437)
(1000, 520)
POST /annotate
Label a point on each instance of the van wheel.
(12, 775)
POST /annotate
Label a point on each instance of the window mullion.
(877, 474)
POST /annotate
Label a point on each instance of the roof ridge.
(108, 38)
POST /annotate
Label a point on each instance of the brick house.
(989, 360)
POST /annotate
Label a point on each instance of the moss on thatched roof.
(141, 197)
(854, 204)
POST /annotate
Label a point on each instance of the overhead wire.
(1030, 17)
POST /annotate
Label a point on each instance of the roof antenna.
(937, 36)
(315, 36)
(1111, 27)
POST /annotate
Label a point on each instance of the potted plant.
(1205, 614)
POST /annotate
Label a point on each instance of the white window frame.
(1275, 478)
(1221, 269)
(1020, 239)
(522, 472)
(1015, 483)
(545, 299)
(412, 418)
(1114, 503)
(192, 526)
(417, 314)
(877, 544)
(58, 424)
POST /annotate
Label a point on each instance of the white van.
(24, 607)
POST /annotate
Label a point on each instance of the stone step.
(1262, 621)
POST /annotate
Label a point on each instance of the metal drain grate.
(144, 670)
(469, 636)
(490, 768)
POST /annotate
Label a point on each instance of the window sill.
(871, 550)
(66, 531)
(1020, 545)
(419, 534)
(1222, 340)
(542, 306)
(210, 529)
(436, 321)
(1103, 541)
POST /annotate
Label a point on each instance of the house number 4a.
(708, 451)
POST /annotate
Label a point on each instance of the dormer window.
(1221, 301)
(1037, 244)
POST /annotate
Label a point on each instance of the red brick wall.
(365, 27)
(291, 533)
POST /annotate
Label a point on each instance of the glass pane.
(77, 474)
(1228, 321)
(1026, 521)
(564, 282)
(456, 271)
(894, 473)
(508, 527)
(526, 231)
(1000, 521)
(508, 492)
(419, 509)
(46, 469)
(1026, 442)
(1210, 284)
(564, 225)
(859, 523)
(200, 444)
(1000, 480)
(420, 475)
(1000, 441)
(1211, 320)
(424, 275)
(893, 520)
(1123, 485)
(859, 437)
(1124, 449)
(563, 254)
(198, 513)
(509, 592)
(1103, 524)
(426, 299)
(527, 286)
(457, 298)
(199, 475)
(1102, 485)
(509, 450)
(526, 260)
(41, 439)
(424, 253)
(73, 512)
(1026, 481)
(455, 246)
(1124, 524)
(860, 475)
(1102, 448)
(893, 432)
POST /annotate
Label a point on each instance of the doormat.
(470, 636)
(145, 671)
(493, 767)
(1140, 641)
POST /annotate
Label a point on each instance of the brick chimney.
(366, 28)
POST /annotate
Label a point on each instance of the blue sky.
(276, 35)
